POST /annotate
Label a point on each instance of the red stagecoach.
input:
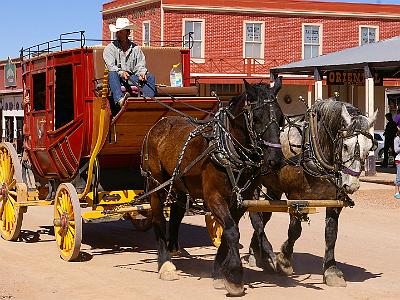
(76, 146)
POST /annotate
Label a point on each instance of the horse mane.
(329, 116)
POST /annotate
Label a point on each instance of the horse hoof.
(218, 284)
(334, 277)
(168, 272)
(252, 261)
(284, 265)
(234, 290)
(270, 266)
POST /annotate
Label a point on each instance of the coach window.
(197, 28)
(146, 33)
(253, 40)
(39, 91)
(369, 34)
(312, 40)
(64, 96)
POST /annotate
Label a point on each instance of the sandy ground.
(119, 262)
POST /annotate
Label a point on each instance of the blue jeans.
(397, 180)
(148, 88)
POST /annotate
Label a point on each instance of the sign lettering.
(351, 78)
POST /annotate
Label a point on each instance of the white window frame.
(143, 33)
(202, 49)
(321, 28)
(368, 26)
(262, 48)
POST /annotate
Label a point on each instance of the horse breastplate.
(298, 148)
(228, 151)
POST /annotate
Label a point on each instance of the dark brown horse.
(217, 161)
(344, 142)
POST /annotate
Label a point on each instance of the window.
(39, 91)
(146, 33)
(225, 89)
(64, 96)
(197, 42)
(368, 35)
(254, 40)
(312, 41)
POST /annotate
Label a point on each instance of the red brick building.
(243, 38)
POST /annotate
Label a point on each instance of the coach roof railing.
(54, 45)
(78, 37)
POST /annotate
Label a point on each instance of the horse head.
(266, 118)
(353, 145)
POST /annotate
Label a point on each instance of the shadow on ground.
(306, 266)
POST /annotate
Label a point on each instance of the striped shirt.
(131, 61)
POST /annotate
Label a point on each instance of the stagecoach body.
(61, 122)
(71, 132)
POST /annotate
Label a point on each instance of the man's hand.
(125, 75)
(142, 77)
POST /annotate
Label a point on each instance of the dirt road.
(118, 262)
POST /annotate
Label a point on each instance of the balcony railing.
(248, 66)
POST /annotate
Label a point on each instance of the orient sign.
(350, 78)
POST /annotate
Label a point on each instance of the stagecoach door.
(38, 111)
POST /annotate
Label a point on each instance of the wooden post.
(370, 166)
(309, 95)
(318, 84)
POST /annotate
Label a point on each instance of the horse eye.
(345, 147)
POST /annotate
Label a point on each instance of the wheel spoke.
(71, 230)
(12, 184)
(59, 209)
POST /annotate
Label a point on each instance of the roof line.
(280, 12)
(127, 6)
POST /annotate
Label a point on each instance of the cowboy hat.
(121, 24)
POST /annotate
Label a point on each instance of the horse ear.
(372, 119)
(276, 86)
(346, 116)
(247, 85)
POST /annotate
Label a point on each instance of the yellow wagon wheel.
(214, 229)
(67, 221)
(10, 174)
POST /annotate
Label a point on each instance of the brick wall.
(283, 35)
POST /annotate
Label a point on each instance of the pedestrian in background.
(396, 118)
(389, 133)
(397, 162)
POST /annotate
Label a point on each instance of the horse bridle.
(343, 135)
(257, 137)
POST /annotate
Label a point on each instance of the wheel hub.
(4, 190)
(64, 222)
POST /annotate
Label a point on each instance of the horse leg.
(284, 258)
(227, 268)
(261, 253)
(175, 220)
(166, 268)
(332, 275)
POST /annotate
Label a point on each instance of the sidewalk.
(383, 176)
